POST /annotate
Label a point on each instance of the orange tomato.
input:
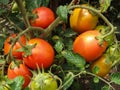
(8, 43)
(88, 46)
(82, 20)
(102, 65)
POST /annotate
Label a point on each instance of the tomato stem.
(105, 81)
(23, 11)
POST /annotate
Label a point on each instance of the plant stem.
(23, 11)
(99, 14)
(105, 81)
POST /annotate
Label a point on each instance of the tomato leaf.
(32, 4)
(17, 83)
(104, 5)
(62, 12)
(4, 1)
(74, 59)
(115, 78)
(59, 46)
(106, 87)
(68, 80)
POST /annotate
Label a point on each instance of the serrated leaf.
(106, 87)
(115, 78)
(68, 80)
(62, 12)
(96, 80)
(104, 5)
(17, 83)
(74, 59)
(59, 46)
(4, 1)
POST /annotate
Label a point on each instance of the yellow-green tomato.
(43, 81)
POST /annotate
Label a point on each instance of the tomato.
(103, 65)
(82, 20)
(43, 81)
(42, 54)
(8, 43)
(15, 6)
(45, 16)
(88, 46)
(19, 70)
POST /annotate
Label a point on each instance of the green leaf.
(59, 46)
(2, 10)
(96, 69)
(17, 83)
(32, 4)
(106, 87)
(74, 59)
(2, 39)
(62, 12)
(96, 80)
(68, 80)
(115, 78)
(104, 5)
(4, 1)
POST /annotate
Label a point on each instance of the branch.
(23, 11)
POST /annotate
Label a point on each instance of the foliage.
(71, 69)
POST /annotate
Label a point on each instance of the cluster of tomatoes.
(31, 54)
(87, 44)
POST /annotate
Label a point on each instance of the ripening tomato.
(48, 82)
(15, 70)
(82, 20)
(8, 43)
(88, 46)
(101, 66)
(45, 16)
(42, 54)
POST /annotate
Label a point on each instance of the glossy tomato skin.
(103, 66)
(42, 54)
(45, 16)
(82, 20)
(20, 70)
(8, 44)
(88, 46)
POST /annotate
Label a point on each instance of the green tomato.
(43, 81)
(15, 6)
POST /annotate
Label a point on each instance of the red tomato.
(7, 46)
(42, 54)
(20, 70)
(45, 17)
(88, 46)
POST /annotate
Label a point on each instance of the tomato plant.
(15, 70)
(44, 17)
(103, 64)
(42, 54)
(17, 46)
(75, 45)
(88, 46)
(82, 20)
